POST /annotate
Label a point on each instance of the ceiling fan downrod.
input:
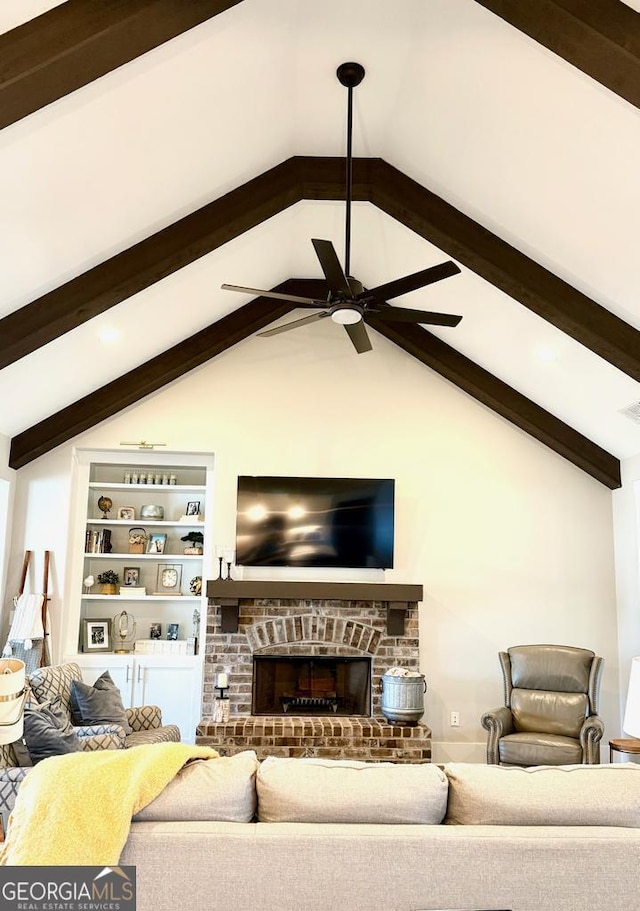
(349, 75)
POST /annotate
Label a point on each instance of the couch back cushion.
(572, 795)
(221, 790)
(549, 713)
(337, 791)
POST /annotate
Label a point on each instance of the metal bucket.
(403, 698)
(12, 699)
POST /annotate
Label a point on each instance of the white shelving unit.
(173, 681)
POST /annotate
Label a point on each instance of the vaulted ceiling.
(152, 150)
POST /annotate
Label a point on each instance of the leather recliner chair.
(550, 715)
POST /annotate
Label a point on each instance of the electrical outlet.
(454, 719)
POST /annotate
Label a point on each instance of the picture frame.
(155, 631)
(96, 636)
(169, 579)
(172, 631)
(131, 575)
(156, 544)
(127, 512)
(193, 508)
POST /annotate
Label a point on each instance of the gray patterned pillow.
(48, 731)
(98, 704)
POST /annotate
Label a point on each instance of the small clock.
(169, 578)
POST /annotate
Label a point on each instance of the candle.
(222, 682)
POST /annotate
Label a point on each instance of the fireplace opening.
(310, 685)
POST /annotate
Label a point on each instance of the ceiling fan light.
(346, 316)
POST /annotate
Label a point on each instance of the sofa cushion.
(99, 703)
(571, 795)
(337, 791)
(48, 731)
(222, 790)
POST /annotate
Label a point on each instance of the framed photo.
(127, 512)
(172, 631)
(131, 575)
(156, 544)
(155, 631)
(96, 636)
(169, 578)
(193, 508)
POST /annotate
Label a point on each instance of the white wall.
(626, 502)
(511, 542)
(7, 486)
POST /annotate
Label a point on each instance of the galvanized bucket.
(403, 698)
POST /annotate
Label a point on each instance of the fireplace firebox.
(311, 685)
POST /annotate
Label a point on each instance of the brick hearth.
(296, 626)
(328, 738)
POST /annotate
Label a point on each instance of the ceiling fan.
(348, 302)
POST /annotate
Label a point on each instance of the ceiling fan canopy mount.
(348, 302)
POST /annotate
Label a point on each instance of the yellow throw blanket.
(77, 808)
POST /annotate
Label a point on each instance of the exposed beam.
(507, 268)
(295, 179)
(599, 37)
(502, 399)
(118, 278)
(147, 262)
(226, 332)
(153, 375)
(81, 40)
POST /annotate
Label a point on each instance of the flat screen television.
(341, 522)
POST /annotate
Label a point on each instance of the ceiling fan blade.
(405, 315)
(296, 322)
(331, 267)
(359, 336)
(276, 295)
(411, 282)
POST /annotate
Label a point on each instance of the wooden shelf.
(313, 591)
(228, 594)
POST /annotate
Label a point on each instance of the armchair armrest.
(101, 737)
(498, 723)
(591, 734)
(144, 718)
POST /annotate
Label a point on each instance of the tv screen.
(342, 522)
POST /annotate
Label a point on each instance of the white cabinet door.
(175, 686)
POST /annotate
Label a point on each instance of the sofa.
(318, 835)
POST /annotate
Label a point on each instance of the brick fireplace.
(315, 626)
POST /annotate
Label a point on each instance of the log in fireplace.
(311, 685)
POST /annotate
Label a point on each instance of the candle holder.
(220, 552)
(222, 690)
(229, 556)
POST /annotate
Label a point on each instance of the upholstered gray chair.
(54, 682)
(550, 715)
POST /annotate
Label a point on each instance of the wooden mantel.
(228, 594)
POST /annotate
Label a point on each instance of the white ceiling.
(510, 134)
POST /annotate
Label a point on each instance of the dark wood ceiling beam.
(501, 398)
(599, 37)
(154, 374)
(80, 40)
(147, 262)
(507, 268)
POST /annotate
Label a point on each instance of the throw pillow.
(222, 790)
(48, 731)
(98, 704)
(342, 790)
